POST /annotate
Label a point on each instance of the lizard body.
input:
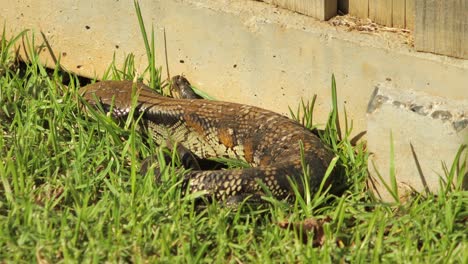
(268, 141)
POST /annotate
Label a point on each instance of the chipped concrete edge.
(412, 135)
(451, 111)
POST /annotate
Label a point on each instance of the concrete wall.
(241, 51)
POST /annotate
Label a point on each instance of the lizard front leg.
(180, 88)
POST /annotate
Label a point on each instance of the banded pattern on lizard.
(268, 141)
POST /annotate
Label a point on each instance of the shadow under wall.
(343, 6)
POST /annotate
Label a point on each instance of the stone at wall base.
(426, 132)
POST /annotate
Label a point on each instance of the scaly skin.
(269, 142)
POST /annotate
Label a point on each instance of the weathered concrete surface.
(426, 131)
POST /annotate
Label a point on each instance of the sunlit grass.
(71, 191)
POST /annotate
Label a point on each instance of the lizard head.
(113, 95)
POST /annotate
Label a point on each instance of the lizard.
(269, 142)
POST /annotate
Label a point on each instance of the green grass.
(71, 191)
